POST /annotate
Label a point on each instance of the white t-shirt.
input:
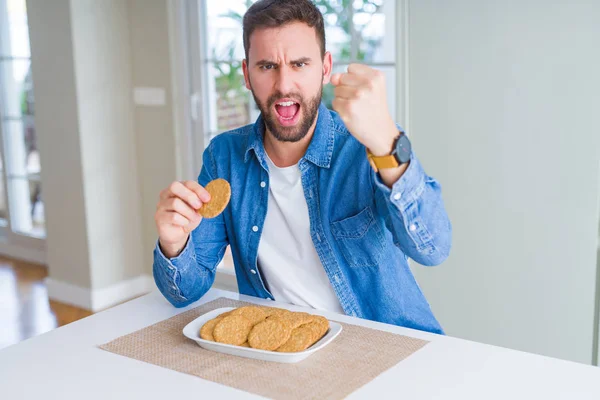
(286, 254)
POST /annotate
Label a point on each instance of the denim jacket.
(363, 231)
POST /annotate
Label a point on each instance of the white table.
(66, 364)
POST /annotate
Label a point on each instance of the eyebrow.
(301, 60)
(270, 62)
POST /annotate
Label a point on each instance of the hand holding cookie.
(181, 208)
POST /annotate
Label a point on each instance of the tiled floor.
(25, 309)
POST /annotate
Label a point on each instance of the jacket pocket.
(360, 239)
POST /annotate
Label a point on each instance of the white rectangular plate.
(192, 331)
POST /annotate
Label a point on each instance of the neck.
(286, 154)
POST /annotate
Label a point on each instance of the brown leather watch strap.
(382, 162)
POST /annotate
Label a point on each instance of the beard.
(308, 107)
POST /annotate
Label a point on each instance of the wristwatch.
(400, 154)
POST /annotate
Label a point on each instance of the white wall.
(504, 105)
(84, 69)
(102, 55)
(57, 125)
(154, 126)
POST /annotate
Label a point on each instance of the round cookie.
(220, 194)
(268, 310)
(206, 332)
(319, 326)
(300, 339)
(278, 312)
(299, 318)
(245, 344)
(233, 329)
(269, 334)
(251, 313)
(322, 323)
(282, 318)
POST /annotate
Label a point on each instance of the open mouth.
(287, 111)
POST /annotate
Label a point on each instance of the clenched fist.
(361, 102)
(176, 215)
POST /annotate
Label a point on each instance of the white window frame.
(13, 243)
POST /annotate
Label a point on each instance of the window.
(361, 31)
(21, 206)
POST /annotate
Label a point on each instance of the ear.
(327, 67)
(246, 76)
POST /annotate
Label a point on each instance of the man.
(326, 207)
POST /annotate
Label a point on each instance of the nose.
(284, 83)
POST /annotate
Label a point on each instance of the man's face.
(286, 73)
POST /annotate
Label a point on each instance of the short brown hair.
(276, 13)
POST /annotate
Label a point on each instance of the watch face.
(403, 149)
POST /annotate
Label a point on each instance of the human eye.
(266, 67)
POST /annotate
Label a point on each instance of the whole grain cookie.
(313, 328)
(287, 323)
(300, 339)
(251, 313)
(322, 323)
(233, 329)
(269, 334)
(206, 332)
(319, 327)
(220, 194)
(245, 344)
(268, 310)
(299, 318)
(278, 312)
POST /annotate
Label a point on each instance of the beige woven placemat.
(350, 361)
